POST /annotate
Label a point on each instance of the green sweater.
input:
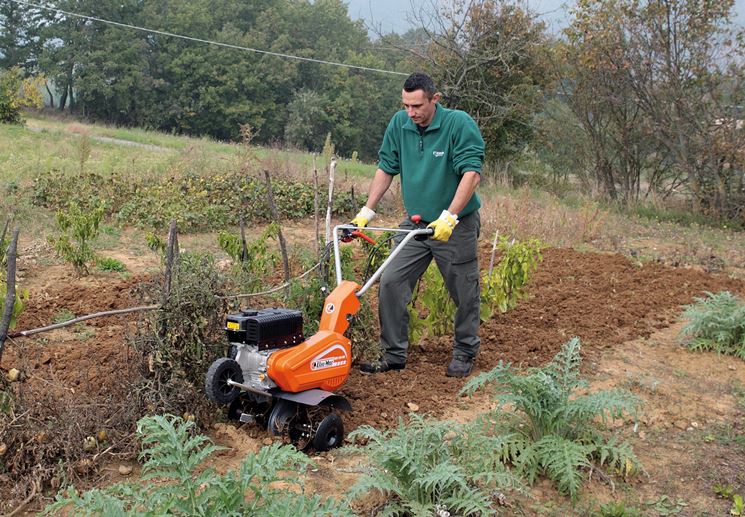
(431, 165)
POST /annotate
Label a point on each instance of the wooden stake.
(171, 258)
(329, 204)
(275, 217)
(315, 208)
(493, 251)
(10, 293)
(355, 208)
(244, 246)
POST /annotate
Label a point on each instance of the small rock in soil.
(125, 470)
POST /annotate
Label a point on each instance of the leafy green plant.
(78, 227)
(19, 303)
(504, 287)
(63, 315)
(432, 310)
(738, 505)
(266, 483)
(17, 93)
(436, 318)
(427, 466)
(110, 264)
(552, 430)
(258, 260)
(618, 509)
(155, 242)
(724, 491)
(716, 323)
(666, 506)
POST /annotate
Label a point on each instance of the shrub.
(266, 484)
(259, 261)
(17, 93)
(716, 323)
(429, 467)
(505, 285)
(78, 228)
(180, 340)
(197, 202)
(553, 430)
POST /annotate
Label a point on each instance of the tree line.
(634, 100)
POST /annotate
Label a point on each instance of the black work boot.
(380, 366)
(460, 367)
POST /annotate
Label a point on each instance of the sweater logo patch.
(438, 154)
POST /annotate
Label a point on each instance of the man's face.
(419, 108)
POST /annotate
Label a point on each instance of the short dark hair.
(420, 81)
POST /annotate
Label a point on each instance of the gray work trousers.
(457, 260)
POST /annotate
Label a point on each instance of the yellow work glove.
(443, 226)
(364, 216)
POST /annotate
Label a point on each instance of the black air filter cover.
(266, 328)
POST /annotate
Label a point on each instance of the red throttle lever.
(347, 236)
(358, 233)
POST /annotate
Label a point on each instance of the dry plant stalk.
(275, 217)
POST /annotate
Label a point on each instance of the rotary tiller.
(275, 378)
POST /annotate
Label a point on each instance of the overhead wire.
(209, 42)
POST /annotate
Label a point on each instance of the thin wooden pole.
(67, 323)
(171, 258)
(244, 246)
(10, 293)
(315, 208)
(493, 251)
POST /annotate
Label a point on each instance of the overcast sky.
(391, 14)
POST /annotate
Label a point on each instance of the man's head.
(420, 97)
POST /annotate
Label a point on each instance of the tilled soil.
(604, 299)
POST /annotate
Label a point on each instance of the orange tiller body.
(323, 360)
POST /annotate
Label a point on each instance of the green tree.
(488, 57)
(657, 86)
(17, 36)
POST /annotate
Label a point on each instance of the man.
(437, 153)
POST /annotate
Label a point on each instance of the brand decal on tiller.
(326, 360)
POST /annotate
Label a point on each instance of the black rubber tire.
(330, 433)
(216, 381)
